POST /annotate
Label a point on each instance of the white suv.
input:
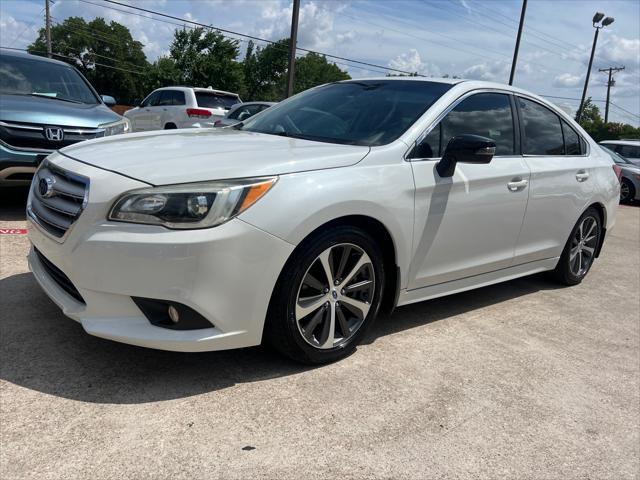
(301, 224)
(181, 107)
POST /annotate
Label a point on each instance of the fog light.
(173, 314)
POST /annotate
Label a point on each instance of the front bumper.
(225, 273)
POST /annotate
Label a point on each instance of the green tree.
(105, 53)
(206, 58)
(594, 125)
(162, 73)
(313, 69)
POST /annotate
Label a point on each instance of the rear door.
(468, 224)
(561, 183)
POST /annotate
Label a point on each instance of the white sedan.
(300, 225)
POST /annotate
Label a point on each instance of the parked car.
(629, 149)
(46, 105)
(241, 112)
(299, 226)
(629, 177)
(181, 107)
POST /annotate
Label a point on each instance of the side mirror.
(465, 149)
(108, 100)
(137, 102)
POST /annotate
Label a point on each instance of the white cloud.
(412, 62)
(496, 71)
(568, 80)
(14, 33)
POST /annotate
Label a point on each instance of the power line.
(73, 58)
(252, 37)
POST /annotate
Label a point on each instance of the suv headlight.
(190, 205)
(121, 126)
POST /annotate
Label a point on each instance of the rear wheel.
(579, 252)
(327, 296)
(170, 126)
(627, 191)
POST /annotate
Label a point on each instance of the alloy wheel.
(335, 296)
(583, 246)
(624, 191)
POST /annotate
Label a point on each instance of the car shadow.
(43, 350)
(13, 203)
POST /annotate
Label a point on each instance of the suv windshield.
(370, 112)
(26, 76)
(215, 100)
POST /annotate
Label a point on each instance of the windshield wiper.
(313, 138)
(44, 95)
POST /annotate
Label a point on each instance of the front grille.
(59, 277)
(57, 199)
(33, 135)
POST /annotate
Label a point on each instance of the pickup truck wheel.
(327, 296)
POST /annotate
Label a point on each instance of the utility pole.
(610, 84)
(515, 52)
(48, 27)
(292, 46)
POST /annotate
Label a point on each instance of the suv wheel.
(327, 296)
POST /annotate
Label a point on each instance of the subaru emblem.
(45, 187)
(54, 134)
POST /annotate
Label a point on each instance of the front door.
(469, 224)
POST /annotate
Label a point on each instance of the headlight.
(121, 126)
(191, 205)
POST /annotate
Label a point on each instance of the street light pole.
(515, 52)
(596, 21)
(292, 47)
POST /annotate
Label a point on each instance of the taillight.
(198, 113)
(618, 170)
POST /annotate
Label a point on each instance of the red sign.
(13, 231)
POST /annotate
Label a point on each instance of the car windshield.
(216, 100)
(369, 113)
(26, 76)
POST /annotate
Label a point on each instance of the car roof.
(255, 102)
(5, 52)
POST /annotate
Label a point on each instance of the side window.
(572, 143)
(166, 97)
(542, 130)
(155, 99)
(629, 151)
(178, 98)
(151, 98)
(485, 114)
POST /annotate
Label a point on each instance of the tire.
(299, 320)
(579, 252)
(170, 126)
(627, 191)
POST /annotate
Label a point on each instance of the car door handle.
(582, 175)
(517, 184)
(164, 109)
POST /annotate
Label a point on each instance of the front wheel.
(579, 252)
(327, 296)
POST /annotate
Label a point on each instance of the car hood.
(25, 109)
(192, 155)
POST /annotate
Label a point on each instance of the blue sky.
(468, 38)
